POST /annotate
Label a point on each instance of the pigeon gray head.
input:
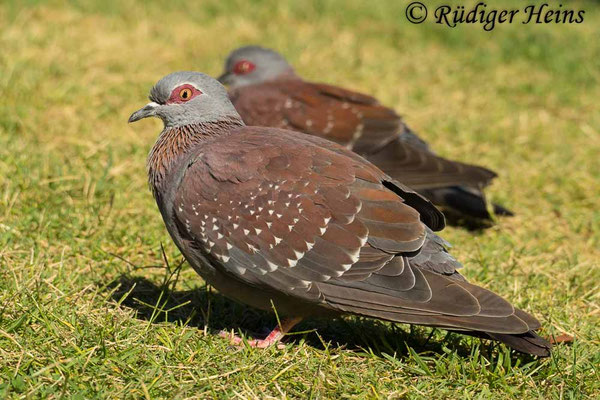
(185, 98)
(253, 64)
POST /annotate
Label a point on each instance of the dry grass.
(88, 306)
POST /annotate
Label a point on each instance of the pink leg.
(273, 338)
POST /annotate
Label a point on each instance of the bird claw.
(274, 337)
(256, 343)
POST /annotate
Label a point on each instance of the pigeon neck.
(288, 74)
(174, 143)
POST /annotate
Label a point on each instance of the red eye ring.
(183, 93)
(243, 67)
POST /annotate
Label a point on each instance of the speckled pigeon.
(266, 91)
(276, 218)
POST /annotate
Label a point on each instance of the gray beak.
(149, 110)
(225, 79)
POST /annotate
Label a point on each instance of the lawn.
(95, 300)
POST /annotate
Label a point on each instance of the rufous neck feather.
(175, 142)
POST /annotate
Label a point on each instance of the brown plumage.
(277, 97)
(273, 217)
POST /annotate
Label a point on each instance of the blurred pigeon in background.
(274, 218)
(266, 91)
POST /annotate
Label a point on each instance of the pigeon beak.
(149, 110)
(225, 79)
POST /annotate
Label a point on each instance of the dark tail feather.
(465, 201)
(530, 342)
(502, 211)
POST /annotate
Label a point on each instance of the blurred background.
(84, 286)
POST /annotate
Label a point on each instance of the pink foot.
(273, 338)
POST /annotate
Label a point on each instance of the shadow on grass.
(202, 308)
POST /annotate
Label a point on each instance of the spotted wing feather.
(276, 210)
(356, 121)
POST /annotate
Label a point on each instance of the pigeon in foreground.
(266, 91)
(276, 218)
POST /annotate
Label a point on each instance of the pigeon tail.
(465, 201)
(529, 342)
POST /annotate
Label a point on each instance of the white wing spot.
(239, 269)
(272, 266)
(298, 254)
(346, 267)
(363, 240)
(355, 256)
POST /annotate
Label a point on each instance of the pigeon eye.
(185, 94)
(243, 67)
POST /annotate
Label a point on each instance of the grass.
(90, 304)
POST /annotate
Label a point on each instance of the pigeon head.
(185, 98)
(253, 64)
